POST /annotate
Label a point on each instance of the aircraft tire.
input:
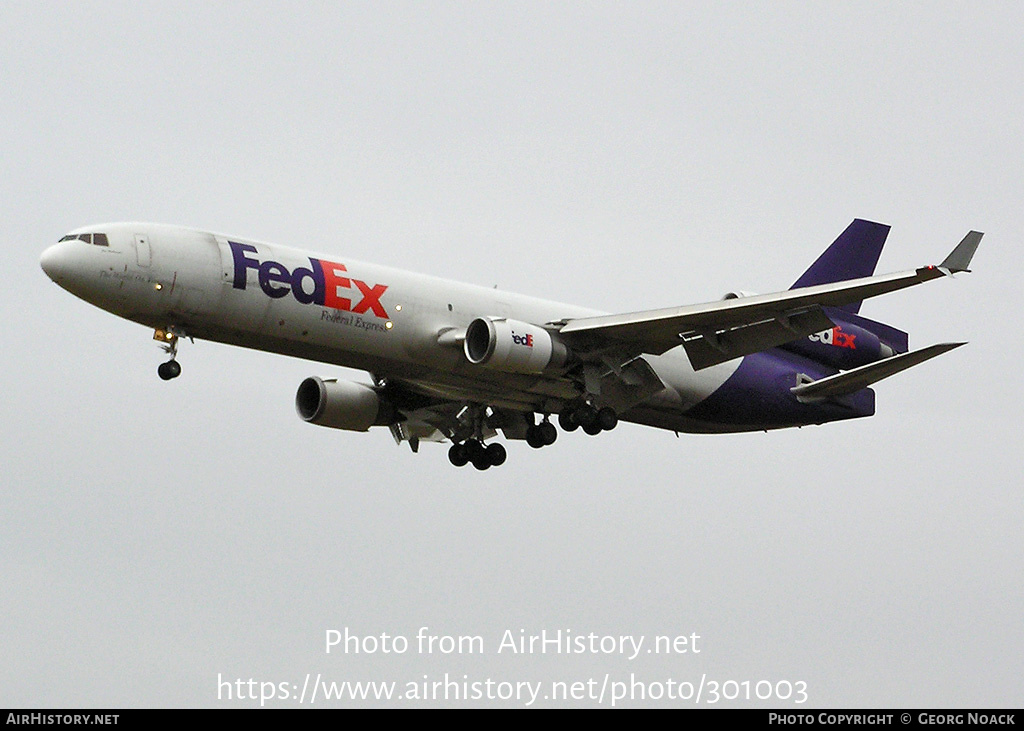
(458, 455)
(473, 449)
(585, 416)
(607, 418)
(496, 454)
(170, 369)
(592, 429)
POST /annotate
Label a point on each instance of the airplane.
(459, 362)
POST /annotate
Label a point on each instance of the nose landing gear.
(169, 343)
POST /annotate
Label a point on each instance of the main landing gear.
(592, 421)
(169, 342)
(482, 456)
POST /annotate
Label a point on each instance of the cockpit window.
(94, 239)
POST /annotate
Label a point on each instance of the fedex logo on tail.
(835, 337)
(330, 285)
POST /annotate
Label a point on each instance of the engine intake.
(342, 404)
(513, 346)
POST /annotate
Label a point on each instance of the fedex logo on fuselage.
(835, 337)
(328, 279)
(526, 340)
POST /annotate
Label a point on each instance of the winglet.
(960, 258)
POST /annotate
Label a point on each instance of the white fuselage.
(375, 318)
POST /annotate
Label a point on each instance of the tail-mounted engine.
(854, 341)
(342, 404)
(513, 346)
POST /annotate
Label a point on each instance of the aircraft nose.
(55, 261)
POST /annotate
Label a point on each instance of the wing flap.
(712, 347)
(855, 379)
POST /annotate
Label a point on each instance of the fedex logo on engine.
(327, 279)
(526, 340)
(835, 337)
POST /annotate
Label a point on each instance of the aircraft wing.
(715, 332)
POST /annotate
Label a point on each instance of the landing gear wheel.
(585, 416)
(473, 449)
(593, 429)
(496, 454)
(170, 369)
(534, 437)
(567, 420)
(607, 418)
(547, 433)
(458, 455)
(482, 461)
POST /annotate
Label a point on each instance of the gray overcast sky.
(154, 535)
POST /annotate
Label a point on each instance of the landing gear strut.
(473, 450)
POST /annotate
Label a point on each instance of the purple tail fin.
(851, 256)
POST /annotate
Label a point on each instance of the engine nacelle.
(341, 404)
(513, 346)
(845, 346)
(737, 294)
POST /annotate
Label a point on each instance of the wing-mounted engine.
(513, 346)
(411, 417)
(342, 404)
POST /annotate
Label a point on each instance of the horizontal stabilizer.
(960, 258)
(858, 378)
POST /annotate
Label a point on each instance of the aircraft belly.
(692, 386)
(757, 396)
